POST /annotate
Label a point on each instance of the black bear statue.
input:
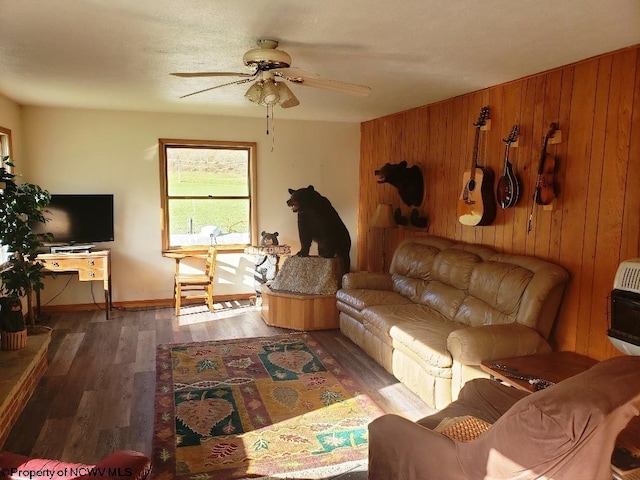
(319, 222)
(408, 181)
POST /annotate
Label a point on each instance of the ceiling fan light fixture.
(270, 94)
(287, 98)
(254, 93)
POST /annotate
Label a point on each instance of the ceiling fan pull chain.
(273, 130)
(268, 114)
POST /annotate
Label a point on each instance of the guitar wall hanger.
(556, 138)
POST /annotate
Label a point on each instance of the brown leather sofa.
(564, 432)
(446, 306)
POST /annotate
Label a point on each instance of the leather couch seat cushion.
(415, 330)
(362, 298)
(426, 343)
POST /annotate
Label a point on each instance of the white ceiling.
(117, 54)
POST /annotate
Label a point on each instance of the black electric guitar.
(508, 190)
(476, 205)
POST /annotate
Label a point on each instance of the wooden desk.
(90, 267)
(182, 253)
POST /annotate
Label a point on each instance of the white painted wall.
(91, 151)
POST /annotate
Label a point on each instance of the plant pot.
(13, 340)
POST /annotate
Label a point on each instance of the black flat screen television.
(79, 218)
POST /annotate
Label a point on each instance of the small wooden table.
(200, 252)
(552, 367)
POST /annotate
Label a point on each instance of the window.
(207, 193)
(5, 151)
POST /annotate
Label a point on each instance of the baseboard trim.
(153, 303)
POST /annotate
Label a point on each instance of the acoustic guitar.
(508, 190)
(476, 205)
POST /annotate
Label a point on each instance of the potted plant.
(21, 206)
(13, 331)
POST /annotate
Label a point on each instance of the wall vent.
(628, 276)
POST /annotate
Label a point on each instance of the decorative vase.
(13, 340)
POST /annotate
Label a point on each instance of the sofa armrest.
(367, 281)
(120, 465)
(473, 345)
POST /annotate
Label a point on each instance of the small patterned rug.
(268, 407)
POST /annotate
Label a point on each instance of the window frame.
(250, 147)
(5, 151)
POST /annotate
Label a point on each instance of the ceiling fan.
(271, 69)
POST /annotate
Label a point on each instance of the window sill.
(202, 250)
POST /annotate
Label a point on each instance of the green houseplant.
(21, 206)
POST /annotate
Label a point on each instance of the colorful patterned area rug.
(268, 407)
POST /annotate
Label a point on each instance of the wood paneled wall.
(594, 222)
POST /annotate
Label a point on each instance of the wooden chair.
(193, 286)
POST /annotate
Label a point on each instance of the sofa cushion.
(381, 318)
(362, 298)
(415, 330)
(443, 298)
(500, 284)
(414, 260)
(411, 269)
(426, 342)
(452, 271)
(454, 267)
(495, 293)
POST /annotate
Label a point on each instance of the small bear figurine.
(266, 265)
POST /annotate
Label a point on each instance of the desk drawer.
(87, 268)
(91, 272)
(62, 264)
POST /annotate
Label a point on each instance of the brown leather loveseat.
(446, 306)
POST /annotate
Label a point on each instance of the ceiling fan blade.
(300, 77)
(212, 74)
(237, 82)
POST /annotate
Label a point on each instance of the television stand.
(72, 248)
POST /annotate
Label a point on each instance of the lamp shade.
(254, 93)
(287, 98)
(383, 217)
(270, 94)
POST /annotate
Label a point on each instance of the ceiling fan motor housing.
(266, 58)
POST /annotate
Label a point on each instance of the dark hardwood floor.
(97, 395)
